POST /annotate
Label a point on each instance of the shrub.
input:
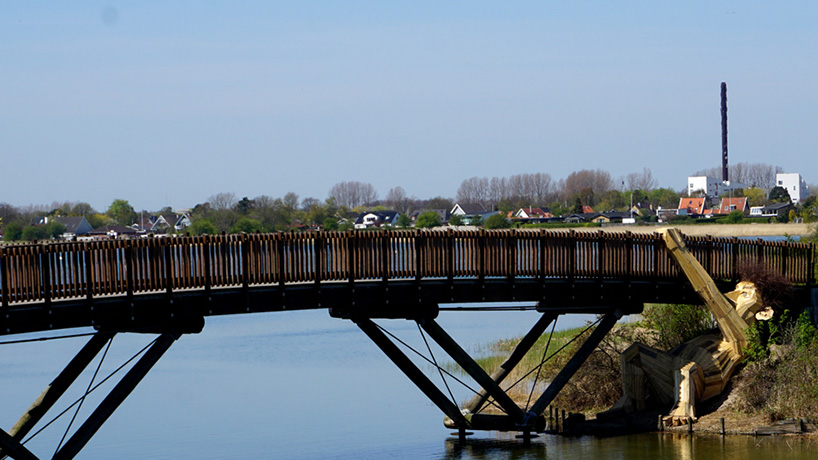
(674, 324)
(496, 221)
(428, 219)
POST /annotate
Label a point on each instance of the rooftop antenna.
(724, 132)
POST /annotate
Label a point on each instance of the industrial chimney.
(724, 177)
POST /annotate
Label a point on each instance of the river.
(304, 385)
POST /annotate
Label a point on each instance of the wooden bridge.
(168, 286)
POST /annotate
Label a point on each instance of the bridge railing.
(65, 270)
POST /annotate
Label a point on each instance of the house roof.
(776, 207)
(732, 204)
(386, 217)
(72, 224)
(692, 205)
(469, 208)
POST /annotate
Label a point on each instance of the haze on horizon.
(170, 103)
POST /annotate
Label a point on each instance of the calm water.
(304, 385)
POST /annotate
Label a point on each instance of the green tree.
(13, 232)
(330, 224)
(404, 221)
(246, 225)
(35, 232)
(121, 212)
(202, 227)
(779, 195)
(755, 196)
(456, 220)
(496, 221)
(428, 219)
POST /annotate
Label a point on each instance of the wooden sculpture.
(699, 369)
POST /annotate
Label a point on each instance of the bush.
(675, 324)
(428, 219)
(496, 221)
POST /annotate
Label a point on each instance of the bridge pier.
(56, 389)
(515, 418)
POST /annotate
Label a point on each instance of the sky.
(168, 103)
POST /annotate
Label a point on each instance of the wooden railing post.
(385, 256)
(351, 259)
(450, 269)
(89, 273)
(600, 259)
(45, 270)
(245, 261)
(628, 257)
(709, 256)
(4, 280)
(130, 269)
(572, 256)
(318, 253)
(511, 263)
(784, 256)
(734, 274)
(168, 258)
(208, 265)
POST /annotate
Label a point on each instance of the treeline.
(226, 212)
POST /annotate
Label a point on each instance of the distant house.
(729, 205)
(164, 222)
(533, 213)
(777, 209)
(468, 209)
(376, 219)
(693, 207)
(112, 231)
(74, 226)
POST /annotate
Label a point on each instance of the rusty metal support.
(116, 397)
(54, 391)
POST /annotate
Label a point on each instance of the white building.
(794, 184)
(709, 185)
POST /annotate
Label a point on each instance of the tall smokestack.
(724, 177)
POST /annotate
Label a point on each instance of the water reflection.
(660, 446)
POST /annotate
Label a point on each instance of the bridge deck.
(136, 283)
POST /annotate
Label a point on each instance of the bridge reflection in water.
(169, 285)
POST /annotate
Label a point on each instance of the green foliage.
(676, 323)
(456, 220)
(330, 224)
(246, 225)
(404, 221)
(13, 232)
(763, 334)
(779, 195)
(202, 227)
(121, 212)
(782, 384)
(735, 217)
(496, 221)
(428, 219)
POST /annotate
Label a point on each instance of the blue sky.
(168, 103)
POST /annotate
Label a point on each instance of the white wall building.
(709, 185)
(794, 184)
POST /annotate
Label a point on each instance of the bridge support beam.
(472, 368)
(574, 363)
(54, 391)
(12, 447)
(408, 367)
(116, 396)
(513, 359)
